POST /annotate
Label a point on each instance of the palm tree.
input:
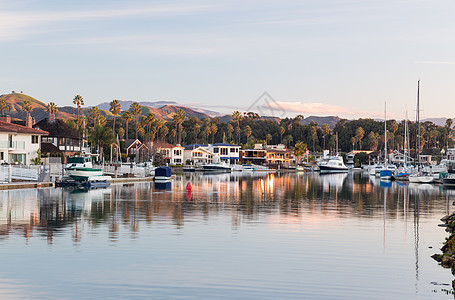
(95, 114)
(26, 106)
(79, 101)
(158, 125)
(51, 108)
(3, 105)
(136, 110)
(196, 130)
(248, 132)
(282, 131)
(230, 130)
(325, 132)
(127, 117)
(237, 117)
(178, 119)
(100, 136)
(116, 109)
(214, 131)
(300, 149)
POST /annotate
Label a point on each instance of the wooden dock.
(25, 185)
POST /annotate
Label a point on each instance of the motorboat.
(449, 181)
(81, 168)
(217, 167)
(334, 164)
(421, 177)
(386, 175)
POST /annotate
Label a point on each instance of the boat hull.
(421, 179)
(83, 173)
(333, 169)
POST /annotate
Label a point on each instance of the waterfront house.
(228, 153)
(173, 154)
(279, 156)
(257, 156)
(19, 144)
(199, 154)
(62, 141)
(398, 158)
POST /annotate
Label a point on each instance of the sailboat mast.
(385, 133)
(405, 150)
(418, 121)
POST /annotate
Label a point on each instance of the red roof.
(9, 127)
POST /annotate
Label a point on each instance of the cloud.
(434, 62)
(20, 25)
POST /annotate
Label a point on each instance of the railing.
(14, 145)
(27, 173)
(139, 171)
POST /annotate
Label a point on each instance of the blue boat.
(163, 173)
(386, 175)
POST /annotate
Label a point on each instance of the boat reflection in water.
(230, 231)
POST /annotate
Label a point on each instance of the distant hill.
(331, 120)
(38, 108)
(437, 121)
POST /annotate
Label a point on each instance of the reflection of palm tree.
(3, 105)
(115, 109)
(51, 108)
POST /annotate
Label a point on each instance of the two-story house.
(18, 144)
(199, 154)
(172, 154)
(228, 153)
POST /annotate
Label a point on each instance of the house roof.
(130, 142)
(57, 128)
(49, 148)
(193, 146)
(225, 145)
(161, 144)
(9, 127)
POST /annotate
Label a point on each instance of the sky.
(311, 57)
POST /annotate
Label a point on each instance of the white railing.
(138, 171)
(26, 173)
(14, 145)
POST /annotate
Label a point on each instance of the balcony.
(12, 145)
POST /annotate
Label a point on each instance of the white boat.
(81, 168)
(217, 167)
(334, 164)
(421, 177)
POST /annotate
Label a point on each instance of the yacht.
(81, 168)
(217, 167)
(333, 165)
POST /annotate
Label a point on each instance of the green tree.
(237, 117)
(282, 131)
(127, 117)
(230, 130)
(100, 136)
(300, 149)
(115, 109)
(79, 101)
(136, 110)
(359, 134)
(51, 108)
(3, 105)
(325, 132)
(178, 119)
(214, 131)
(248, 133)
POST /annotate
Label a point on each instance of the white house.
(18, 144)
(172, 154)
(228, 153)
(199, 154)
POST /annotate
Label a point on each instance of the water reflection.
(346, 229)
(245, 197)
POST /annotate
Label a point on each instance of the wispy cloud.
(435, 62)
(19, 25)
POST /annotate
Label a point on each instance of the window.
(35, 139)
(2, 156)
(224, 151)
(215, 150)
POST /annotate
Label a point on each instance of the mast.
(405, 150)
(385, 133)
(418, 122)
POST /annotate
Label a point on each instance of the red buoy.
(189, 188)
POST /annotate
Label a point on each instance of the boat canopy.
(78, 160)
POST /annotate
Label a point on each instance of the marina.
(346, 229)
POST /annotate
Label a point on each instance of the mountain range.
(163, 110)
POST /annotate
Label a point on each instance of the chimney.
(29, 121)
(6, 119)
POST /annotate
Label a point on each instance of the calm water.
(342, 236)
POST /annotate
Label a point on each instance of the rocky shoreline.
(447, 258)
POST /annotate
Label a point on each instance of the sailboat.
(385, 171)
(404, 171)
(419, 177)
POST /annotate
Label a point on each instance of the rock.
(447, 261)
(436, 257)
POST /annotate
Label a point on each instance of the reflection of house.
(62, 139)
(199, 154)
(172, 154)
(18, 143)
(228, 153)
(257, 156)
